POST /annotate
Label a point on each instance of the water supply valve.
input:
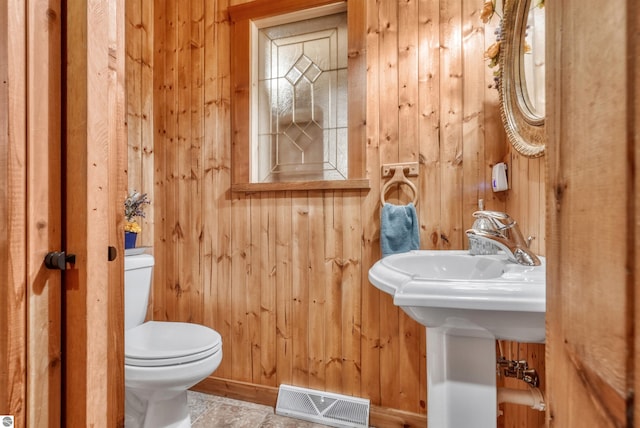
(519, 370)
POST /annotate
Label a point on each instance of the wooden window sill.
(362, 183)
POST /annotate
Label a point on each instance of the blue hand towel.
(398, 229)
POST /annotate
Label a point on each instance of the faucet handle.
(503, 218)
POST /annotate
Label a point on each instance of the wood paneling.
(93, 179)
(282, 274)
(592, 213)
(634, 52)
(31, 75)
(139, 36)
(526, 203)
(30, 112)
(117, 155)
(13, 203)
(44, 213)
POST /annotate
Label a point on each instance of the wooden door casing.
(95, 146)
(44, 212)
(30, 61)
(31, 206)
(591, 213)
(13, 195)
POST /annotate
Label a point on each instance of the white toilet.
(162, 359)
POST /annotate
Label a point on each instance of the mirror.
(522, 76)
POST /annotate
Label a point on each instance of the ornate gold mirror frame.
(525, 130)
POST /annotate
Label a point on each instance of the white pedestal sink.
(467, 302)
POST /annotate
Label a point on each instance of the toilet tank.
(137, 285)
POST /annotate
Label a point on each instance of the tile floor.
(210, 411)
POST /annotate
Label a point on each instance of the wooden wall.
(35, 361)
(592, 288)
(526, 203)
(283, 275)
(13, 211)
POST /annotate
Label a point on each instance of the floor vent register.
(335, 410)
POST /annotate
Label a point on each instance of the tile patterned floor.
(210, 411)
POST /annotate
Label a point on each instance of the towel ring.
(399, 178)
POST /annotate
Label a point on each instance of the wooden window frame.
(240, 17)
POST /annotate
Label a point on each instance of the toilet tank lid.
(138, 262)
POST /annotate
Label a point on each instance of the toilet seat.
(164, 343)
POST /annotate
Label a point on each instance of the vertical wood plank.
(429, 124)
(240, 253)
(147, 128)
(634, 52)
(269, 290)
(160, 137)
(370, 344)
(117, 190)
(473, 113)
(388, 137)
(388, 69)
(535, 207)
(184, 285)
(409, 331)
(239, 74)
(255, 286)
(409, 147)
(408, 135)
(92, 58)
(541, 245)
(44, 212)
(196, 172)
(429, 131)
(451, 155)
(133, 34)
(171, 173)
(300, 287)
(284, 273)
(351, 292)
(223, 182)
(590, 286)
(356, 64)
(13, 178)
(209, 191)
(495, 144)
(408, 106)
(333, 229)
(317, 280)
(518, 199)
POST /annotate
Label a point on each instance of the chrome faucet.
(505, 233)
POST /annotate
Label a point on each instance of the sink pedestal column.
(461, 378)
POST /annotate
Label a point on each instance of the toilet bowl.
(162, 359)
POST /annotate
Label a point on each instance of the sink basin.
(466, 302)
(457, 290)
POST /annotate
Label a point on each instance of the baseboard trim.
(380, 417)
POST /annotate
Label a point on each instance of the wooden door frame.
(592, 271)
(31, 38)
(95, 180)
(13, 202)
(44, 211)
(30, 68)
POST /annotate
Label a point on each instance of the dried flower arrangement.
(492, 54)
(134, 207)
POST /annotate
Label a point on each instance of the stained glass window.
(299, 127)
